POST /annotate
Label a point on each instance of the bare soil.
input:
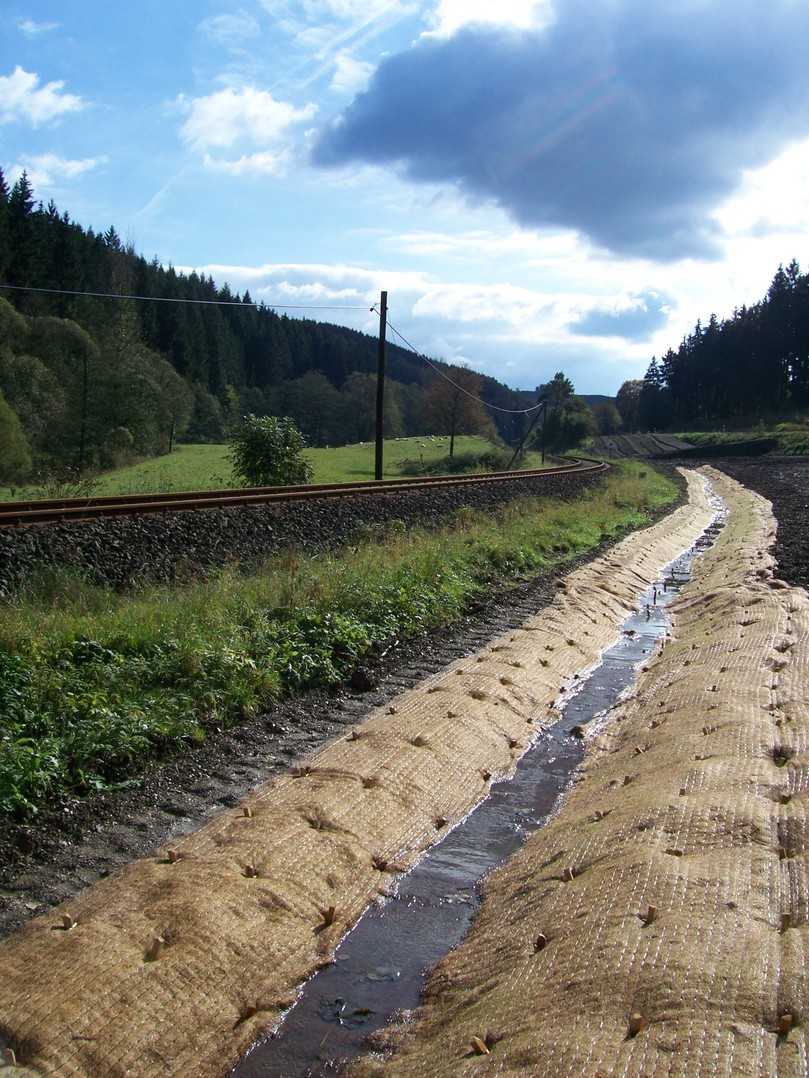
(784, 481)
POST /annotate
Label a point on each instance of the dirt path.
(175, 965)
(659, 925)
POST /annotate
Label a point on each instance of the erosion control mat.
(176, 965)
(659, 925)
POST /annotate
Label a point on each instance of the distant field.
(620, 446)
(206, 467)
(792, 438)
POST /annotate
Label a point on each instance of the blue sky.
(538, 185)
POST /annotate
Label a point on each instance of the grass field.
(206, 467)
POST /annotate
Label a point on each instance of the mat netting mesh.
(658, 926)
(178, 963)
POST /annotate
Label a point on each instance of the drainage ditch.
(382, 964)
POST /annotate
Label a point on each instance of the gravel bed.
(77, 841)
(166, 547)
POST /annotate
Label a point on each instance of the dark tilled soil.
(69, 846)
(784, 481)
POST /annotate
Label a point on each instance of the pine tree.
(5, 250)
(23, 260)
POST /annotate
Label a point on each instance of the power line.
(460, 388)
(178, 299)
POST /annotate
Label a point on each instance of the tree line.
(93, 380)
(750, 367)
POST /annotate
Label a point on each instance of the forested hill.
(230, 359)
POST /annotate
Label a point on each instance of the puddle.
(382, 964)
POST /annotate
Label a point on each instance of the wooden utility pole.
(380, 385)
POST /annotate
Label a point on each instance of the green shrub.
(268, 451)
(490, 460)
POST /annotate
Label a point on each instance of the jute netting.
(177, 964)
(659, 925)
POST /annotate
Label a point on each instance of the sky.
(538, 184)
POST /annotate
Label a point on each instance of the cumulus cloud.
(48, 169)
(627, 121)
(230, 116)
(263, 163)
(32, 29)
(350, 75)
(451, 15)
(22, 98)
(636, 318)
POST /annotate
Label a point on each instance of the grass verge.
(95, 684)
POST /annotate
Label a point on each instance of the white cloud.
(471, 244)
(31, 28)
(451, 15)
(317, 10)
(350, 75)
(771, 200)
(22, 98)
(232, 116)
(230, 29)
(263, 163)
(505, 303)
(47, 169)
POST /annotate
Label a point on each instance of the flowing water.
(382, 964)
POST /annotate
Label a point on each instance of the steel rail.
(16, 514)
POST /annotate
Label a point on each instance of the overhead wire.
(460, 388)
(181, 299)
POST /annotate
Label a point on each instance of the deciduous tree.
(15, 455)
(453, 407)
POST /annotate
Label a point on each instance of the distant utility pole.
(380, 385)
(540, 410)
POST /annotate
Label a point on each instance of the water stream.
(382, 964)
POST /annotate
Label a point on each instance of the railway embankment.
(165, 547)
(658, 924)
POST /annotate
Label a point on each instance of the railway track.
(19, 514)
